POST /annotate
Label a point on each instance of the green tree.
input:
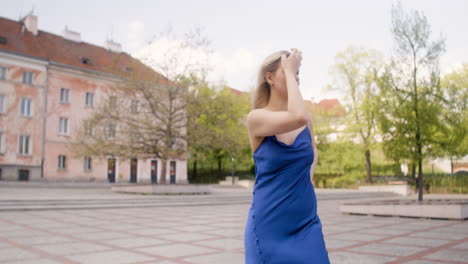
(411, 91)
(200, 130)
(356, 71)
(451, 139)
(216, 128)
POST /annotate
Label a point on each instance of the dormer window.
(128, 69)
(85, 60)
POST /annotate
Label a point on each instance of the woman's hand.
(292, 63)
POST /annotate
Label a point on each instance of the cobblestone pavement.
(209, 233)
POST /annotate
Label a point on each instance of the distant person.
(282, 225)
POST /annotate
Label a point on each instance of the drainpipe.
(44, 119)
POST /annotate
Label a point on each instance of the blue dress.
(282, 225)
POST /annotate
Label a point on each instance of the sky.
(244, 32)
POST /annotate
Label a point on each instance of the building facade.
(48, 85)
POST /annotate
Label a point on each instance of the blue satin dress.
(282, 225)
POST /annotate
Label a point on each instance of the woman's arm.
(262, 122)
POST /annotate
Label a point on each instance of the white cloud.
(172, 57)
(237, 69)
(133, 35)
(451, 68)
(135, 27)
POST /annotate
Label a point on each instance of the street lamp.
(233, 169)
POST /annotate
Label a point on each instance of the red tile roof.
(330, 106)
(236, 92)
(57, 49)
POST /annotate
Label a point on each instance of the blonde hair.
(262, 91)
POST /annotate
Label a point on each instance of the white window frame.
(24, 144)
(63, 126)
(88, 130)
(134, 136)
(134, 106)
(88, 163)
(2, 142)
(64, 95)
(113, 102)
(89, 99)
(3, 72)
(27, 77)
(111, 128)
(2, 103)
(62, 162)
(26, 106)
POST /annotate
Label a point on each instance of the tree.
(452, 140)
(411, 90)
(215, 124)
(356, 71)
(145, 114)
(231, 135)
(200, 132)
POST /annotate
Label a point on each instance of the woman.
(282, 225)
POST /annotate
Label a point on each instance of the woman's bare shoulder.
(253, 114)
(254, 140)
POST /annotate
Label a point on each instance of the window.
(2, 142)
(89, 99)
(63, 125)
(134, 136)
(64, 95)
(2, 103)
(85, 60)
(111, 131)
(87, 163)
(26, 106)
(134, 107)
(27, 77)
(113, 102)
(88, 128)
(172, 172)
(172, 168)
(2, 73)
(62, 162)
(24, 144)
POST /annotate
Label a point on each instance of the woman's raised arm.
(263, 122)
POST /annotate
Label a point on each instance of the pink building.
(48, 85)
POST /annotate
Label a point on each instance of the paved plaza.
(106, 227)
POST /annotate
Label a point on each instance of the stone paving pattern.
(210, 234)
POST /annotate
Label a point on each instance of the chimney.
(71, 35)
(30, 22)
(113, 46)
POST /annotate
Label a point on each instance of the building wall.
(56, 143)
(47, 82)
(460, 167)
(77, 83)
(13, 124)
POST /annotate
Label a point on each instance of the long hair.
(262, 91)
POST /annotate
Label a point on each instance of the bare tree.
(145, 113)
